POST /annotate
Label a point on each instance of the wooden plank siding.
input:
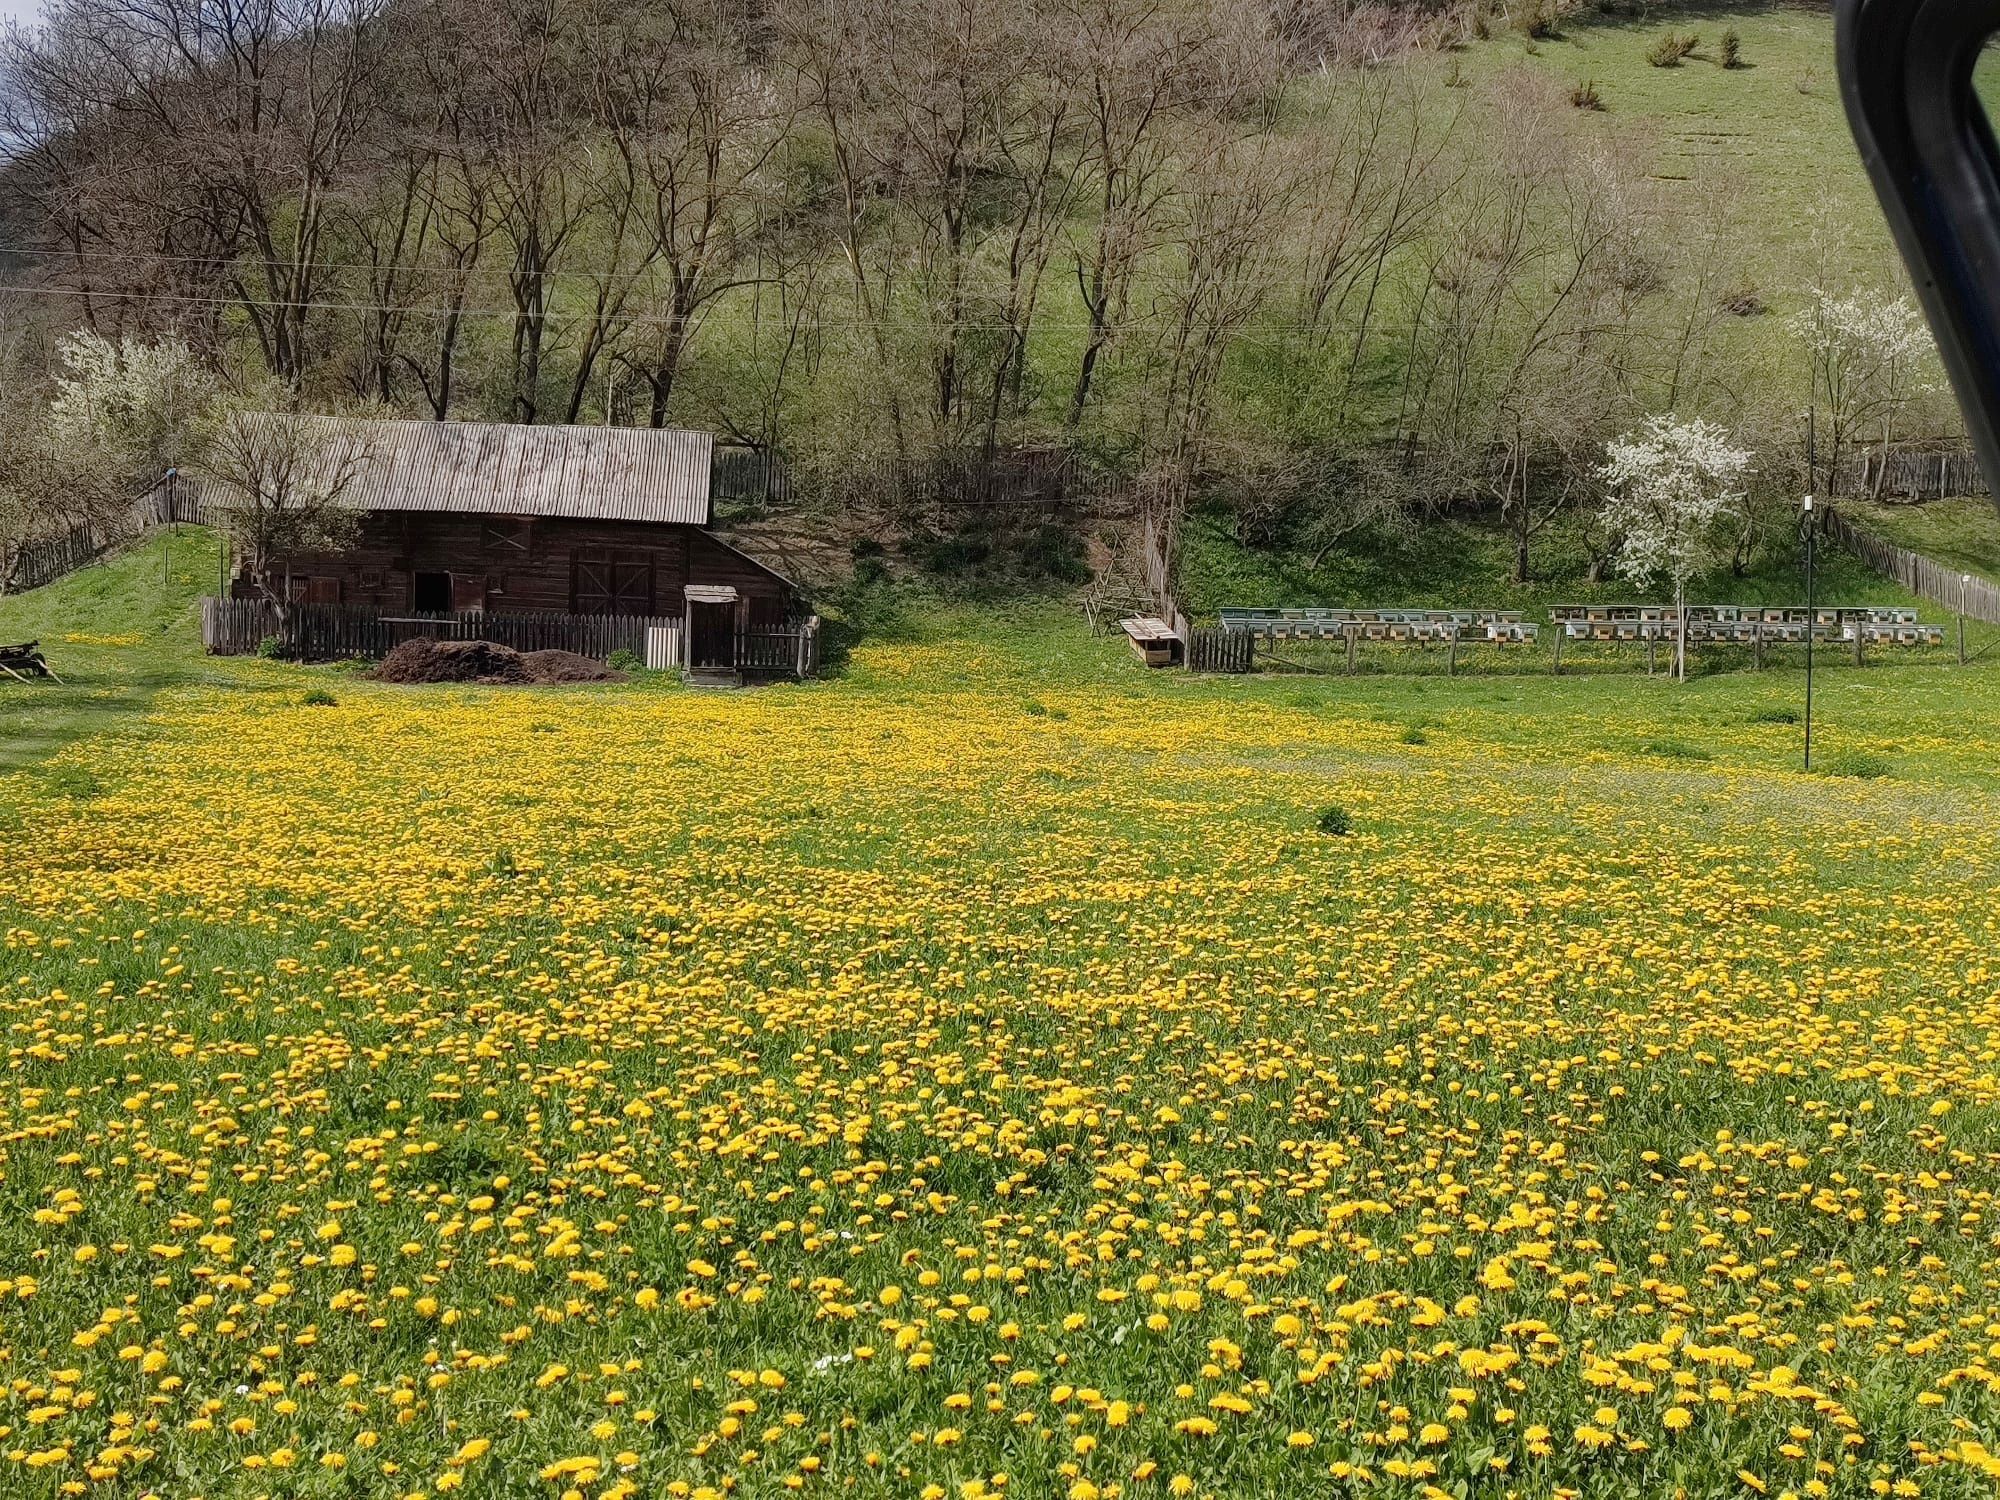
(537, 564)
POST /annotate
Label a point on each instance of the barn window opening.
(430, 593)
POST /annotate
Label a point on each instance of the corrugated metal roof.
(586, 473)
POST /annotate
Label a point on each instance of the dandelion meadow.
(926, 1085)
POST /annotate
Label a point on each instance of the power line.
(441, 310)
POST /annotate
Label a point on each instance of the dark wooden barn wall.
(509, 564)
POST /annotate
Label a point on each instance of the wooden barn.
(486, 516)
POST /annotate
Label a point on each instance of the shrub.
(1674, 750)
(1537, 20)
(625, 660)
(1856, 763)
(1772, 716)
(319, 698)
(1732, 50)
(1585, 96)
(1668, 51)
(1414, 736)
(1334, 822)
(270, 648)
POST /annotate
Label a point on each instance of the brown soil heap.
(566, 666)
(422, 659)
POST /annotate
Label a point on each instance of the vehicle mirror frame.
(1906, 78)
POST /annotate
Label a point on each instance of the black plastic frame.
(1906, 71)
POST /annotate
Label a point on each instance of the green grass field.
(996, 1070)
(1963, 533)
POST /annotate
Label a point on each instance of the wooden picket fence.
(1213, 649)
(1975, 598)
(787, 651)
(1923, 474)
(323, 632)
(326, 632)
(45, 561)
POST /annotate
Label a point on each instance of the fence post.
(1560, 633)
(1757, 642)
(1652, 649)
(1964, 584)
(1451, 654)
(1857, 643)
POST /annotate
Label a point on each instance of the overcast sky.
(20, 10)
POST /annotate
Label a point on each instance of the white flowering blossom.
(1668, 488)
(1870, 356)
(128, 400)
(1864, 332)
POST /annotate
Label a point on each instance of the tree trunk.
(1681, 644)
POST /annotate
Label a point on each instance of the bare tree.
(708, 130)
(528, 58)
(279, 482)
(238, 122)
(1870, 357)
(1519, 335)
(1136, 64)
(1373, 196)
(1221, 236)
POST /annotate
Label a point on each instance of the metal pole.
(1812, 627)
(1964, 586)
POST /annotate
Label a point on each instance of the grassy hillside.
(1961, 533)
(1465, 563)
(117, 633)
(1767, 140)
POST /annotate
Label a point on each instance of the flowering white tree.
(131, 401)
(1669, 487)
(1871, 357)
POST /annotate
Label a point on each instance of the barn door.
(711, 635)
(611, 583)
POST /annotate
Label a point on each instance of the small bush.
(1745, 303)
(1414, 736)
(1034, 707)
(270, 648)
(1585, 96)
(1732, 50)
(319, 698)
(1334, 822)
(1537, 20)
(1674, 750)
(1772, 716)
(1857, 763)
(1668, 51)
(624, 660)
